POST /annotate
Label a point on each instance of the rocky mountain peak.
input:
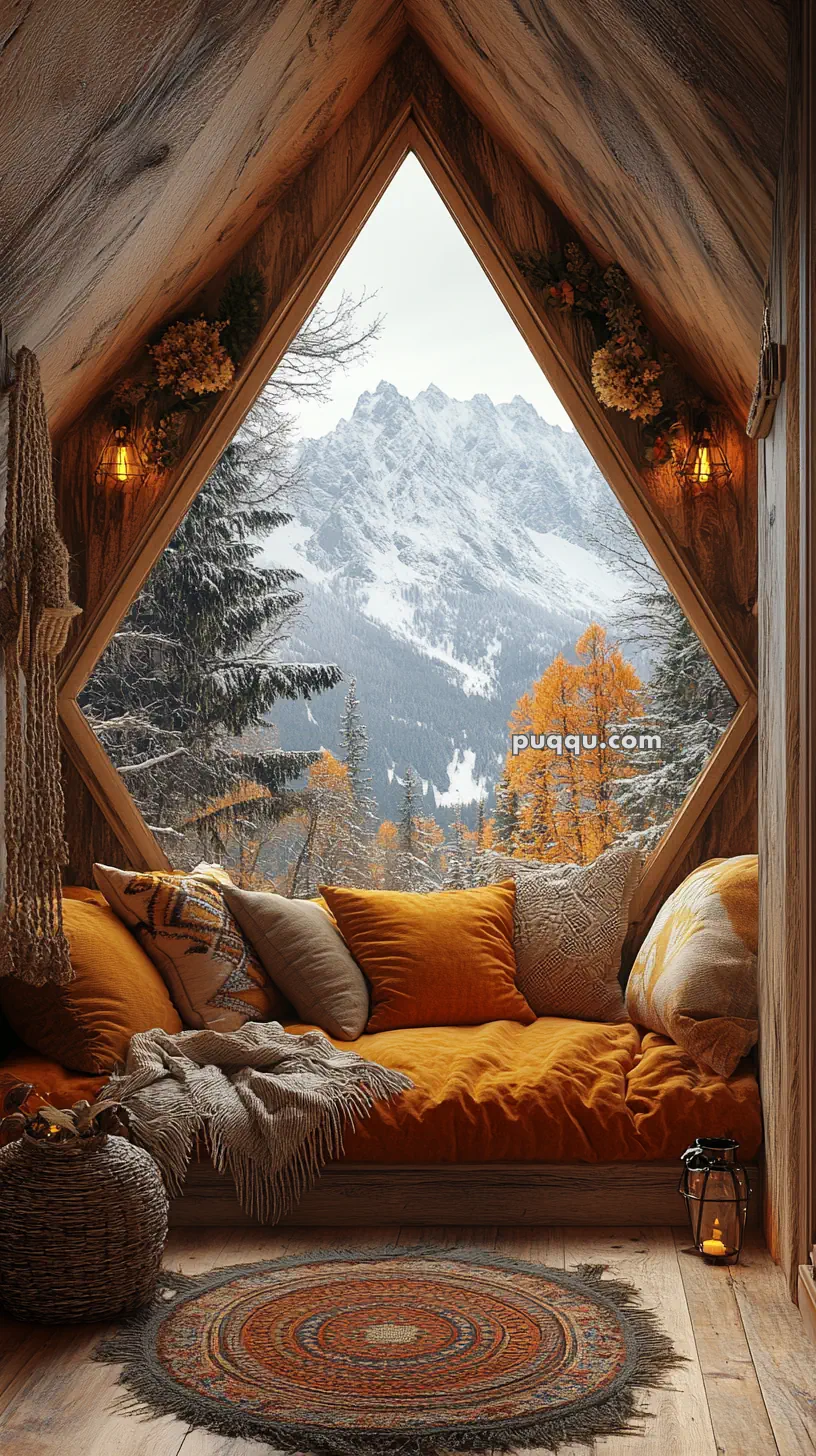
(448, 553)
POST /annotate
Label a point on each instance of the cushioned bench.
(557, 1122)
(555, 1092)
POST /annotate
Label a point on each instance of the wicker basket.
(82, 1229)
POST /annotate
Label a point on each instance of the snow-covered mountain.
(447, 550)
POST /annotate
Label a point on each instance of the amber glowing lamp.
(705, 462)
(121, 461)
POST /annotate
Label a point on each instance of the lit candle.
(715, 1245)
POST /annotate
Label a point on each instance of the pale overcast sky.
(443, 322)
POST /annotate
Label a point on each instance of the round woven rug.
(408, 1350)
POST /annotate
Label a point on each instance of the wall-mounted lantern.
(705, 462)
(121, 461)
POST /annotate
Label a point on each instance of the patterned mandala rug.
(406, 1352)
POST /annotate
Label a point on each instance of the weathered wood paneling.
(141, 143)
(656, 128)
(89, 836)
(787, 722)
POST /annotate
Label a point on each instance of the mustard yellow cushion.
(116, 991)
(443, 959)
(694, 979)
(214, 976)
(557, 1091)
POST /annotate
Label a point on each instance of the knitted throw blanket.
(272, 1108)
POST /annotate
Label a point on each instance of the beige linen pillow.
(181, 921)
(305, 955)
(569, 925)
(694, 978)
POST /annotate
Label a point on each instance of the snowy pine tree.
(506, 817)
(458, 871)
(688, 706)
(685, 701)
(413, 869)
(480, 826)
(196, 663)
(363, 814)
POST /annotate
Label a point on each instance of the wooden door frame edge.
(807, 629)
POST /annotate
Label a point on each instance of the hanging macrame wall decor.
(35, 615)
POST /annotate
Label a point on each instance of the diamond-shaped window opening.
(414, 511)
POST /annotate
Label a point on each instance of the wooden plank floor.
(748, 1387)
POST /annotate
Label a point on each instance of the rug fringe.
(651, 1358)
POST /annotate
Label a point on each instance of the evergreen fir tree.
(688, 706)
(458, 875)
(194, 664)
(480, 826)
(506, 818)
(685, 701)
(363, 811)
(413, 869)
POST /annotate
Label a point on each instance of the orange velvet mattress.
(554, 1092)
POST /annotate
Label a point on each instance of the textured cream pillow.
(212, 973)
(570, 922)
(305, 955)
(695, 975)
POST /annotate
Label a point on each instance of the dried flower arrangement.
(62, 1125)
(628, 368)
(190, 360)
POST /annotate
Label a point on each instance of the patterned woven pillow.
(570, 922)
(212, 973)
(695, 975)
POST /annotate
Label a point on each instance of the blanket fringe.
(193, 1086)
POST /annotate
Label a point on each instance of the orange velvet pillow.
(87, 1024)
(444, 959)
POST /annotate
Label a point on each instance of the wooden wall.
(142, 144)
(91, 839)
(786, 706)
(626, 113)
(705, 544)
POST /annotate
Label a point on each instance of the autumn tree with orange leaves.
(567, 808)
(325, 856)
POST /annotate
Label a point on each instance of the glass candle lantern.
(716, 1190)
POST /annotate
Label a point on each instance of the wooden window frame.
(411, 132)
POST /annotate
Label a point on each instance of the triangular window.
(406, 620)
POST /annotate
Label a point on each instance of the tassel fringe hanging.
(35, 615)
